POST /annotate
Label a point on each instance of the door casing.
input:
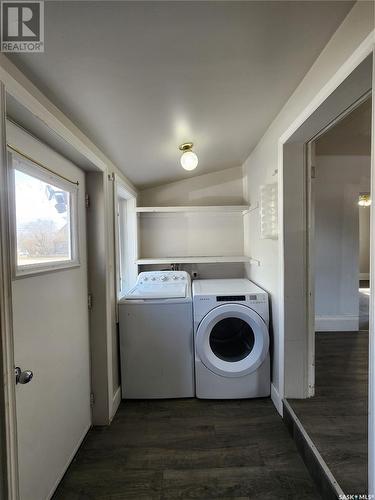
(8, 398)
(296, 331)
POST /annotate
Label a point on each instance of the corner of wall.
(245, 189)
(276, 399)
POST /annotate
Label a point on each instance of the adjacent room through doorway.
(336, 417)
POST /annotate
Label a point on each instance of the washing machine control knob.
(164, 278)
(175, 277)
(153, 278)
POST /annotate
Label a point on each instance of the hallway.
(189, 449)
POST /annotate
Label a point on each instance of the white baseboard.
(343, 323)
(314, 451)
(116, 402)
(276, 399)
(364, 276)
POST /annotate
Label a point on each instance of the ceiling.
(139, 78)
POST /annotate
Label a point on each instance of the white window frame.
(120, 245)
(126, 243)
(33, 169)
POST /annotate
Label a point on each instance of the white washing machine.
(156, 337)
(231, 336)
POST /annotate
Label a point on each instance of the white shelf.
(201, 209)
(251, 208)
(197, 260)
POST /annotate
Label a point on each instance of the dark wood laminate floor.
(189, 449)
(336, 418)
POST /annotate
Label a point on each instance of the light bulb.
(364, 200)
(189, 160)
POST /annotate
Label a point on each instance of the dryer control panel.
(213, 294)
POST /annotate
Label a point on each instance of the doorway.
(336, 416)
(50, 342)
(298, 169)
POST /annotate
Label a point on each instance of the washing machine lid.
(232, 340)
(227, 287)
(157, 291)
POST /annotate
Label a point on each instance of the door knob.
(23, 377)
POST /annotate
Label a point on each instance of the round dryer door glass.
(232, 339)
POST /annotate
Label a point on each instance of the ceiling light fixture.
(364, 200)
(189, 160)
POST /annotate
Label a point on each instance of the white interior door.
(50, 315)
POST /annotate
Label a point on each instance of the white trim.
(125, 228)
(310, 262)
(68, 462)
(6, 319)
(251, 208)
(358, 56)
(281, 253)
(132, 245)
(34, 170)
(217, 209)
(6, 325)
(347, 67)
(339, 323)
(245, 187)
(276, 399)
(116, 402)
(371, 375)
(197, 260)
(110, 281)
(349, 110)
(314, 450)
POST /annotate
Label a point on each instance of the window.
(121, 247)
(126, 238)
(45, 226)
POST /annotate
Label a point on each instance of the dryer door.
(232, 340)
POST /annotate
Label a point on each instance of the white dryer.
(156, 337)
(231, 336)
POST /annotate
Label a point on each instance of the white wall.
(224, 187)
(364, 243)
(196, 234)
(192, 234)
(267, 156)
(339, 181)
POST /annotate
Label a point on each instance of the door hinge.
(89, 301)
(87, 200)
(92, 399)
(313, 172)
(111, 177)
